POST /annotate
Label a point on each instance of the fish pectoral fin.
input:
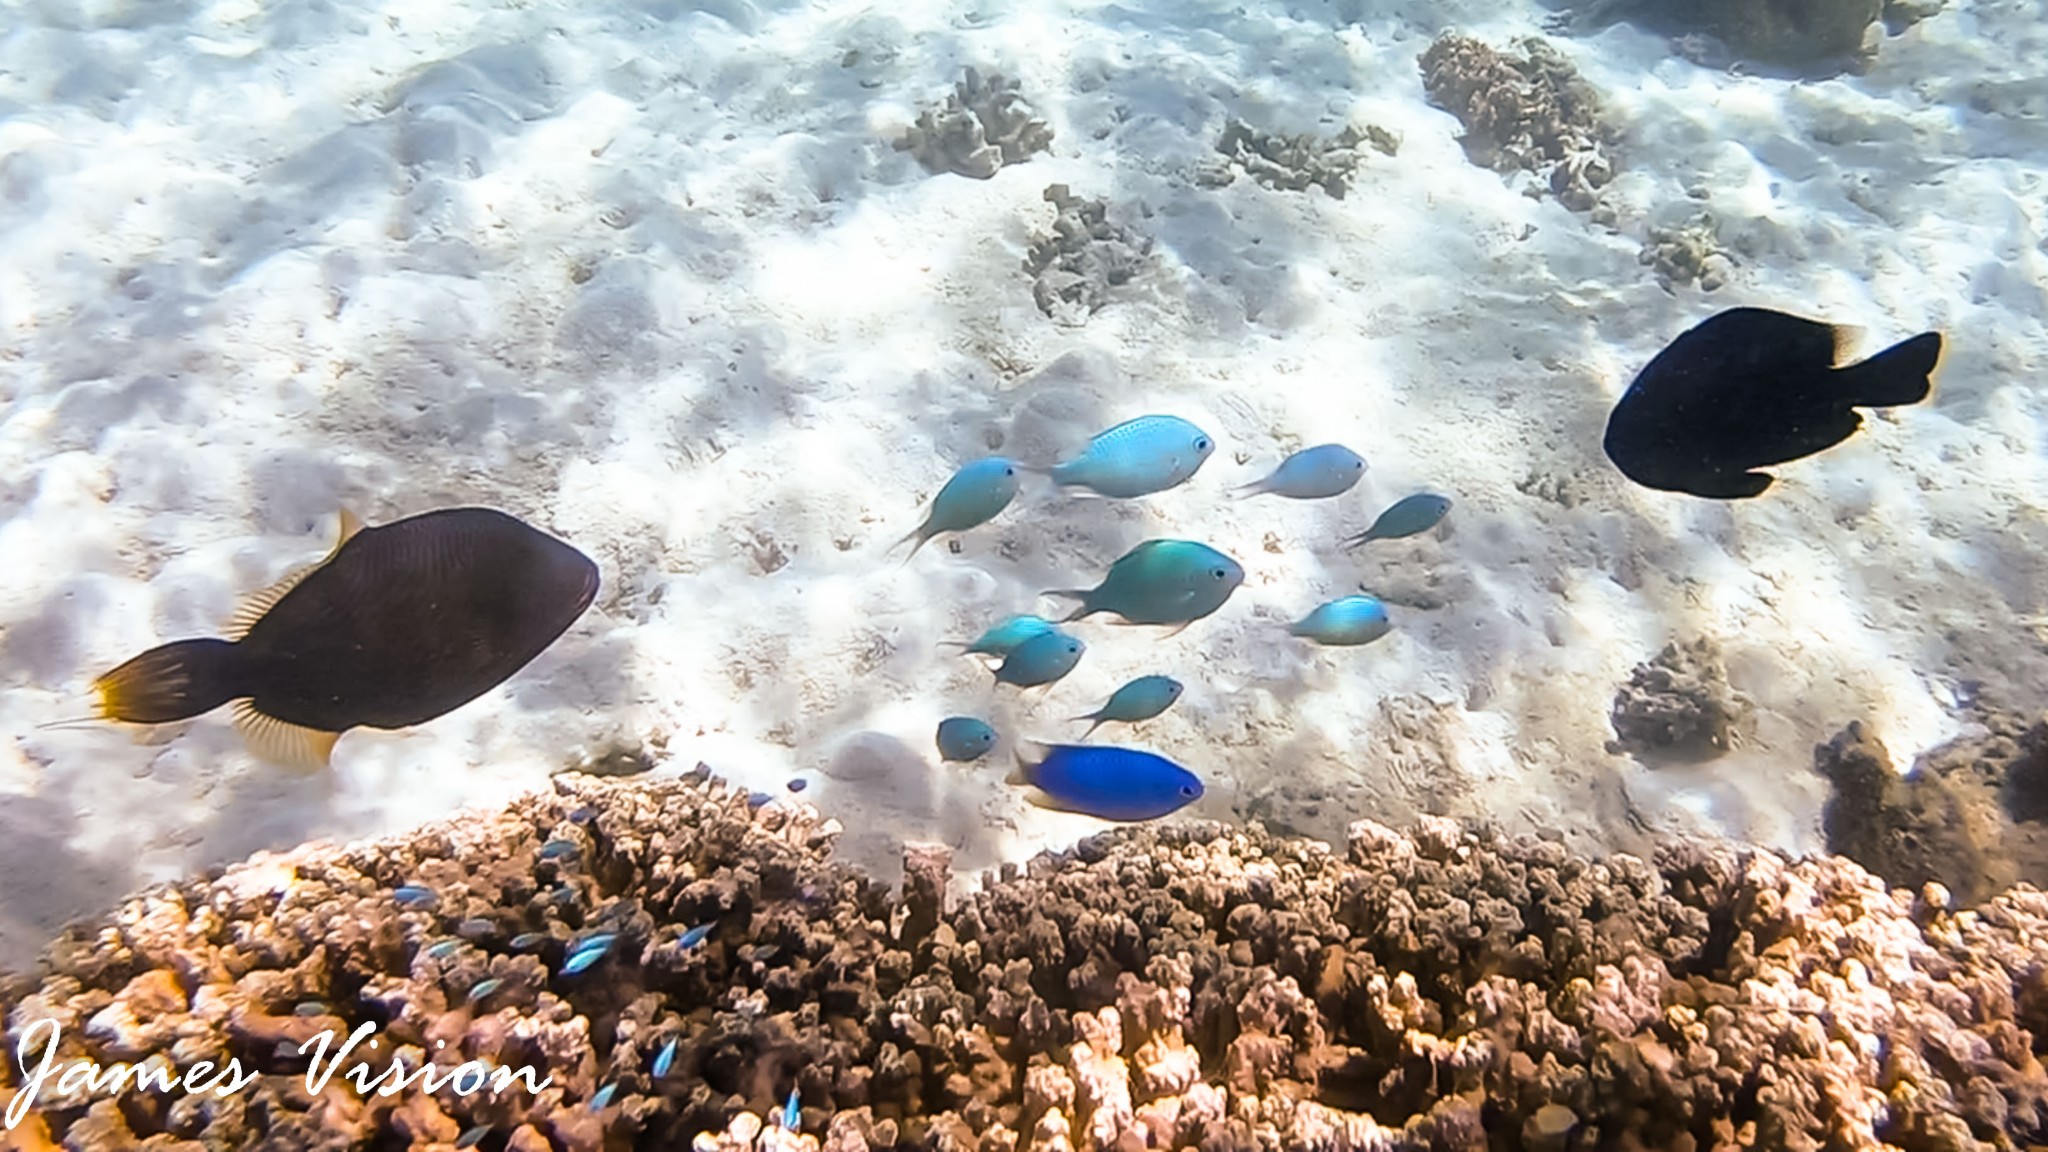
(282, 743)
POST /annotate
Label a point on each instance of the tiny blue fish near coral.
(1140, 699)
(1041, 660)
(973, 497)
(1160, 582)
(1000, 639)
(1312, 474)
(1408, 516)
(1346, 621)
(964, 738)
(1121, 784)
(1138, 457)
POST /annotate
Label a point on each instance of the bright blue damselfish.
(1041, 660)
(1138, 457)
(1351, 620)
(999, 640)
(1141, 699)
(1161, 582)
(972, 497)
(1312, 474)
(1108, 783)
(963, 738)
(1407, 517)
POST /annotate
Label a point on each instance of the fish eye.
(1187, 790)
(1201, 443)
(1009, 471)
(1219, 573)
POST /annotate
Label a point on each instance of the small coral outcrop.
(1688, 252)
(1678, 706)
(1185, 986)
(1533, 112)
(984, 124)
(1073, 268)
(1293, 163)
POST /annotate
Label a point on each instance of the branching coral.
(1074, 268)
(1180, 986)
(1535, 113)
(983, 125)
(1294, 163)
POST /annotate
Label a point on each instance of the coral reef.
(1687, 252)
(1678, 706)
(1086, 255)
(1181, 986)
(1972, 815)
(1533, 113)
(985, 124)
(1293, 163)
(1809, 36)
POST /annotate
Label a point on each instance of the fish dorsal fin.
(285, 744)
(1848, 338)
(252, 609)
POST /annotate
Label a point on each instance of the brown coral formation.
(1294, 163)
(1688, 252)
(985, 124)
(1972, 815)
(1086, 255)
(1678, 707)
(1180, 986)
(1533, 112)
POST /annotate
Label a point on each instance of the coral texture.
(1293, 163)
(1074, 268)
(985, 124)
(1678, 706)
(1534, 112)
(1179, 986)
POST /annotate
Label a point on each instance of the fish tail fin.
(170, 682)
(1255, 488)
(1901, 374)
(917, 534)
(1364, 537)
(1080, 609)
(1092, 727)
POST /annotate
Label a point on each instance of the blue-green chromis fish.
(1161, 582)
(999, 640)
(1407, 517)
(1351, 620)
(1040, 660)
(963, 738)
(1312, 474)
(665, 1059)
(1141, 699)
(792, 1114)
(1138, 457)
(972, 497)
(1108, 783)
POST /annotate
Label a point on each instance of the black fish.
(1751, 387)
(401, 623)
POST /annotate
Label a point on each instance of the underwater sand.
(652, 277)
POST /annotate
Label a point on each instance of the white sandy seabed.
(653, 278)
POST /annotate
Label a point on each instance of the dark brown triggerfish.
(401, 623)
(1751, 387)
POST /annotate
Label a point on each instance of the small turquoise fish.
(963, 738)
(582, 961)
(1312, 474)
(484, 988)
(792, 1115)
(443, 949)
(559, 850)
(414, 896)
(526, 940)
(1138, 457)
(1160, 582)
(695, 936)
(1108, 783)
(472, 1137)
(1040, 660)
(973, 497)
(1408, 516)
(1141, 699)
(311, 1008)
(603, 1098)
(1350, 620)
(583, 815)
(1000, 640)
(665, 1059)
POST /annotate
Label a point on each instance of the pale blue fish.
(1138, 457)
(792, 1114)
(964, 738)
(311, 1008)
(473, 1136)
(1312, 474)
(443, 949)
(414, 896)
(584, 960)
(696, 936)
(975, 494)
(1041, 660)
(484, 988)
(603, 1098)
(526, 940)
(1108, 783)
(1160, 582)
(1407, 516)
(999, 640)
(1350, 620)
(476, 926)
(665, 1059)
(1141, 699)
(559, 850)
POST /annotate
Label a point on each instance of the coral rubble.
(1533, 113)
(1688, 252)
(1972, 815)
(1174, 986)
(985, 124)
(1293, 163)
(1678, 706)
(1074, 268)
